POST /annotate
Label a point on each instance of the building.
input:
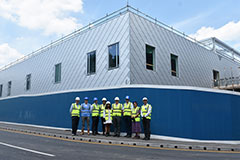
(126, 52)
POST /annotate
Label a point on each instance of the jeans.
(95, 121)
(146, 127)
(117, 124)
(75, 121)
(128, 125)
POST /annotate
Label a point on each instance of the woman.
(107, 115)
(136, 126)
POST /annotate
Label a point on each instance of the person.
(75, 114)
(127, 112)
(102, 108)
(146, 111)
(107, 115)
(85, 114)
(95, 116)
(136, 126)
(117, 114)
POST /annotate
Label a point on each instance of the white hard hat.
(104, 99)
(116, 99)
(77, 99)
(108, 102)
(144, 99)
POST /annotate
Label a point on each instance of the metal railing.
(227, 83)
(101, 21)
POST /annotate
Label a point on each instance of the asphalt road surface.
(18, 146)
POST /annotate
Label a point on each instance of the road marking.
(25, 149)
(119, 145)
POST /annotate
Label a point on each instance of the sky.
(27, 25)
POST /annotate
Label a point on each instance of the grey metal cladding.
(72, 54)
(195, 62)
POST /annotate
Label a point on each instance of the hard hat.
(95, 99)
(108, 102)
(127, 97)
(104, 99)
(116, 99)
(86, 98)
(77, 99)
(144, 99)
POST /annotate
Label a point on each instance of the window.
(91, 62)
(174, 65)
(9, 88)
(58, 73)
(113, 56)
(28, 82)
(150, 57)
(216, 78)
(1, 89)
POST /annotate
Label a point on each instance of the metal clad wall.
(176, 112)
(73, 56)
(195, 63)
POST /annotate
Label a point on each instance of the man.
(127, 113)
(85, 114)
(146, 111)
(95, 116)
(102, 108)
(117, 114)
(75, 114)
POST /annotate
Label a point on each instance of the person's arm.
(70, 110)
(131, 106)
(141, 112)
(91, 107)
(149, 110)
(103, 113)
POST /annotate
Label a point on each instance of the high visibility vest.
(117, 109)
(106, 114)
(127, 109)
(145, 109)
(134, 113)
(95, 110)
(76, 110)
(102, 108)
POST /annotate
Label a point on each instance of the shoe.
(73, 134)
(138, 137)
(126, 136)
(97, 134)
(144, 138)
(118, 135)
(115, 135)
(82, 133)
(148, 138)
(129, 136)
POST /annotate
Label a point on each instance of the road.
(18, 146)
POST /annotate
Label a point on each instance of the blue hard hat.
(86, 98)
(95, 99)
(127, 97)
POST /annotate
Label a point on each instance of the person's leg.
(118, 126)
(93, 125)
(115, 125)
(148, 129)
(73, 125)
(129, 126)
(88, 125)
(103, 126)
(83, 125)
(96, 128)
(144, 127)
(77, 124)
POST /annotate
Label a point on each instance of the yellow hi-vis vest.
(76, 110)
(106, 114)
(134, 113)
(117, 109)
(127, 109)
(95, 110)
(102, 108)
(145, 109)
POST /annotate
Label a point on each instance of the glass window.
(9, 88)
(174, 65)
(113, 52)
(216, 78)
(150, 57)
(1, 89)
(58, 73)
(91, 62)
(28, 82)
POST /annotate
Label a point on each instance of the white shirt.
(149, 110)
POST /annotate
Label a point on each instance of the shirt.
(149, 110)
(131, 106)
(85, 110)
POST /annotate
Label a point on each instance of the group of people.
(112, 114)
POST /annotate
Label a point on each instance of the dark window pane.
(113, 52)
(91, 62)
(1, 89)
(174, 65)
(150, 57)
(58, 73)
(28, 82)
(9, 88)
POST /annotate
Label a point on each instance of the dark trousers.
(146, 127)
(75, 121)
(103, 125)
(95, 121)
(128, 125)
(117, 124)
